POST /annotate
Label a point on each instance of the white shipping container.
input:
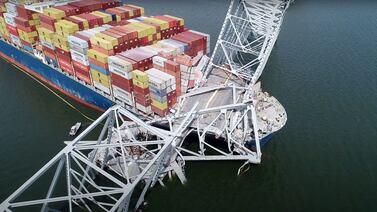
(150, 50)
(184, 68)
(162, 75)
(78, 49)
(157, 83)
(179, 46)
(146, 110)
(160, 61)
(120, 64)
(78, 42)
(185, 76)
(106, 26)
(79, 57)
(9, 19)
(126, 75)
(133, 21)
(122, 95)
(11, 8)
(101, 87)
(48, 45)
(15, 39)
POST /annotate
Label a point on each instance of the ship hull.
(55, 79)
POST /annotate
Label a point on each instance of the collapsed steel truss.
(247, 37)
(114, 172)
(128, 157)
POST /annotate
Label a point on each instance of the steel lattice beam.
(247, 37)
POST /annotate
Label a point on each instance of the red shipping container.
(104, 51)
(92, 20)
(12, 30)
(172, 22)
(172, 99)
(62, 53)
(114, 35)
(46, 19)
(23, 12)
(171, 66)
(69, 10)
(80, 66)
(145, 101)
(136, 11)
(26, 43)
(27, 29)
(49, 54)
(130, 34)
(124, 35)
(105, 4)
(158, 111)
(86, 6)
(80, 23)
(66, 66)
(143, 58)
(121, 82)
(48, 26)
(83, 75)
(21, 21)
(46, 49)
(122, 13)
(141, 92)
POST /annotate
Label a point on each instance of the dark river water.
(322, 69)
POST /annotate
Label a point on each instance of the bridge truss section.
(247, 37)
(111, 173)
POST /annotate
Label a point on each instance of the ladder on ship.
(129, 156)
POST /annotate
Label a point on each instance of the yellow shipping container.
(54, 13)
(163, 24)
(101, 42)
(140, 84)
(45, 32)
(61, 42)
(106, 17)
(140, 31)
(96, 55)
(150, 37)
(140, 76)
(66, 28)
(27, 34)
(151, 29)
(35, 16)
(141, 8)
(160, 105)
(100, 78)
(85, 22)
(29, 40)
(113, 40)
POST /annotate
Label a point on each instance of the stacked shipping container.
(142, 62)
(3, 26)
(140, 82)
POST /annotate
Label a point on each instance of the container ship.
(153, 77)
(104, 52)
